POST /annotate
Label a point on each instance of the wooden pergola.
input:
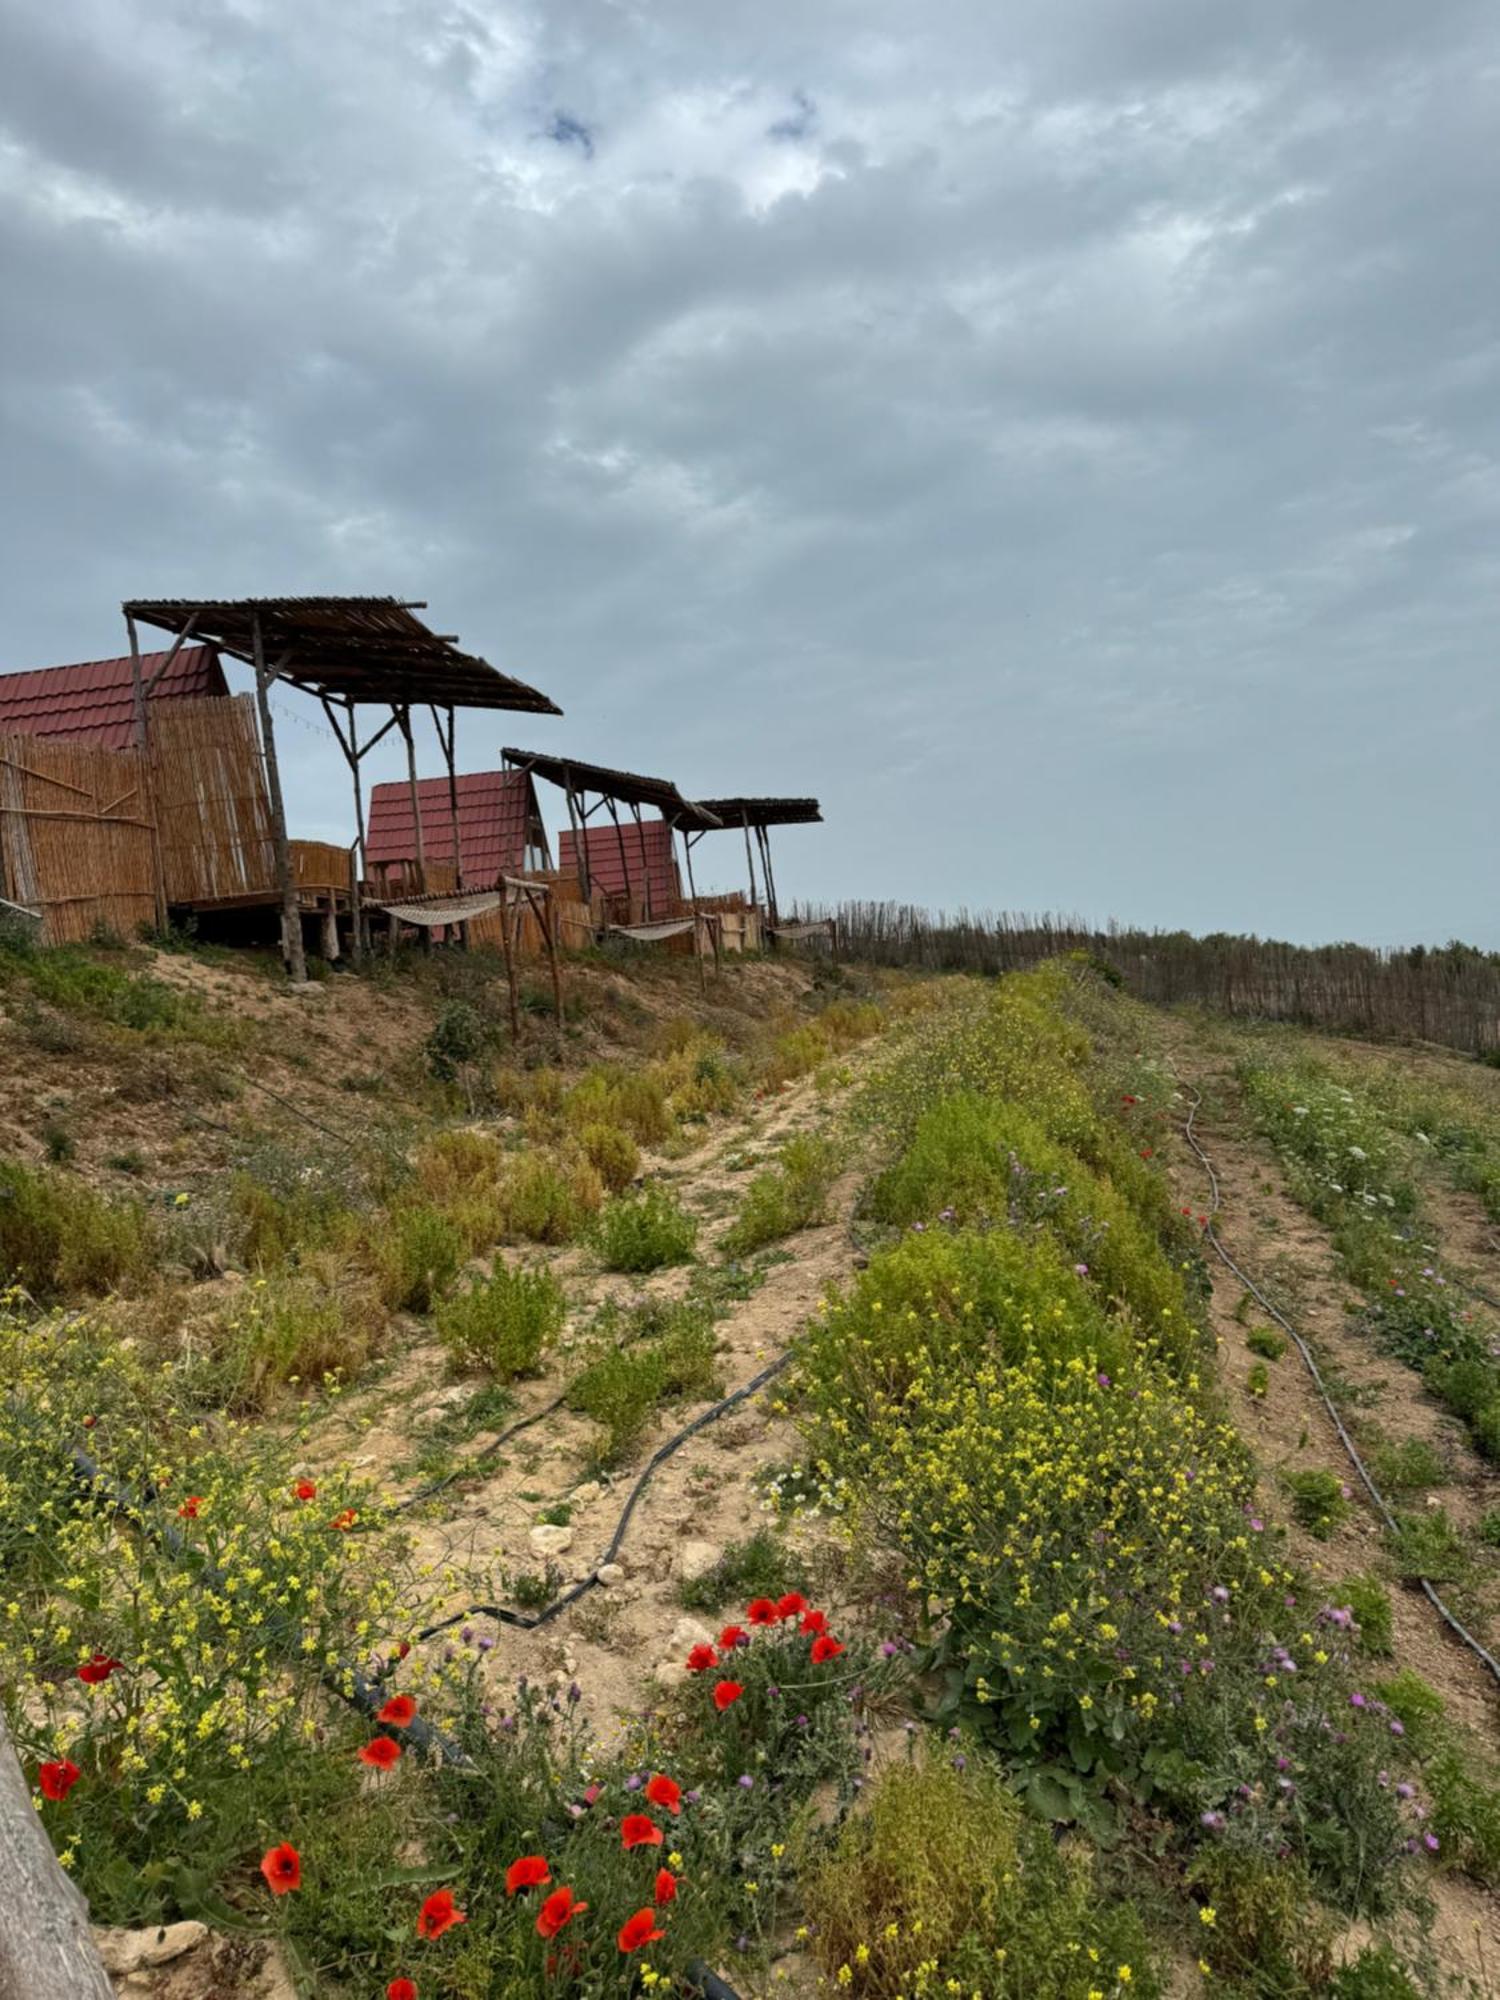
(609, 790)
(756, 816)
(349, 652)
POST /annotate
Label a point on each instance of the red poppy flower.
(437, 1915)
(761, 1611)
(282, 1868)
(825, 1647)
(99, 1669)
(381, 1752)
(732, 1636)
(57, 1780)
(401, 1989)
(402, 1650)
(666, 1886)
(726, 1694)
(639, 1830)
(188, 1511)
(399, 1711)
(638, 1930)
(1145, 1152)
(700, 1659)
(665, 1792)
(306, 1490)
(1128, 1099)
(792, 1605)
(530, 1872)
(815, 1621)
(557, 1910)
(343, 1522)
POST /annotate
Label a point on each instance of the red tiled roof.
(494, 808)
(648, 855)
(95, 700)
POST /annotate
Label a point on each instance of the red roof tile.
(494, 810)
(648, 855)
(95, 700)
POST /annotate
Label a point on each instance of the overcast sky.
(1062, 434)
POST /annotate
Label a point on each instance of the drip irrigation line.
(1376, 1497)
(435, 1486)
(525, 1622)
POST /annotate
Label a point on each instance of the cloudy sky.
(1061, 434)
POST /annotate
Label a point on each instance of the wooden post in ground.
(687, 849)
(624, 864)
(539, 902)
(749, 856)
(764, 839)
(291, 915)
(46, 1951)
(579, 856)
(508, 947)
(403, 722)
(148, 799)
(448, 742)
(640, 836)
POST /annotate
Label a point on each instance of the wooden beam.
(640, 834)
(46, 1949)
(291, 913)
(687, 848)
(624, 863)
(579, 855)
(172, 651)
(749, 856)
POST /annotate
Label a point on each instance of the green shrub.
(1489, 1527)
(1267, 1930)
(613, 1154)
(504, 1322)
(644, 1232)
(1258, 1381)
(667, 1352)
(58, 1238)
(459, 1040)
(1462, 1780)
(1370, 1601)
(295, 1330)
(1320, 1499)
(1377, 1974)
(633, 1099)
(416, 1256)
(943, 1881)
(763, 1566)
(546, 1198)
(791, 1195)
(1267, 1342)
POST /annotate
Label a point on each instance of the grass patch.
(657, 1354)
(789, 1196)
(415, 1256)
(59, 1239)
(762, 1566)
(1320, 1499)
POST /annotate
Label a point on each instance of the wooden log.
(46, 1950)
(508, 948)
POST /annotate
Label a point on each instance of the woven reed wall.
(211, 805)
(76, 840)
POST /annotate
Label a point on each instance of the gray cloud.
(1065, 439)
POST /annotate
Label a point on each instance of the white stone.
(125, 1951)
(609, 1573)
(686, 1634)
(695, 1559)
(587, 1494)
(549, 1539)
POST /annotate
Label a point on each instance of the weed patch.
(644, 1232)
(502, 1323)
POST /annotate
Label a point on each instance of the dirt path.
(625, 1639)
(1289, 1255)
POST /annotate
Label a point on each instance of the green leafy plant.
(503, 1323)
(644, 1232)
(1370, 1601)
(1320, 1499)
(59, 1239)
(662, 1353)
(791, 1195)
(1266, 1342)
(762, 1566)
(416, 1256)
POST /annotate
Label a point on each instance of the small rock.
(609, 1573)
(548, 1539)
(686, 1634)
(585, 1495)
(125, 1951)
(668, 1673)
(695, 1559)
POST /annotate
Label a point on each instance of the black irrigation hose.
(435, 1486)
(1376, 1497)
(524, 1623)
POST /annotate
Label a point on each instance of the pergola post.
(291, 915)
(640, 834)
(765, 861)
(687, 849)
(403, 723)
(749, 856)
(579, 853)
(447, 743)
(624, 863)
(148, 800)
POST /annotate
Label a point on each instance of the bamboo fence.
(77, 837)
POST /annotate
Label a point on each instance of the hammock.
(433, 911)
(654, 933)
(795, 931)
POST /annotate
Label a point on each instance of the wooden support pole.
(624, 863)
(46, 1950)
(448, 743)
(765, 861)
(640, 834)
(749, 856)
(539, 900)
(579, 855)
(158, 869)
(357, 851)
(403, 723)
(687, 849)
(508, 947)
(291, 915)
